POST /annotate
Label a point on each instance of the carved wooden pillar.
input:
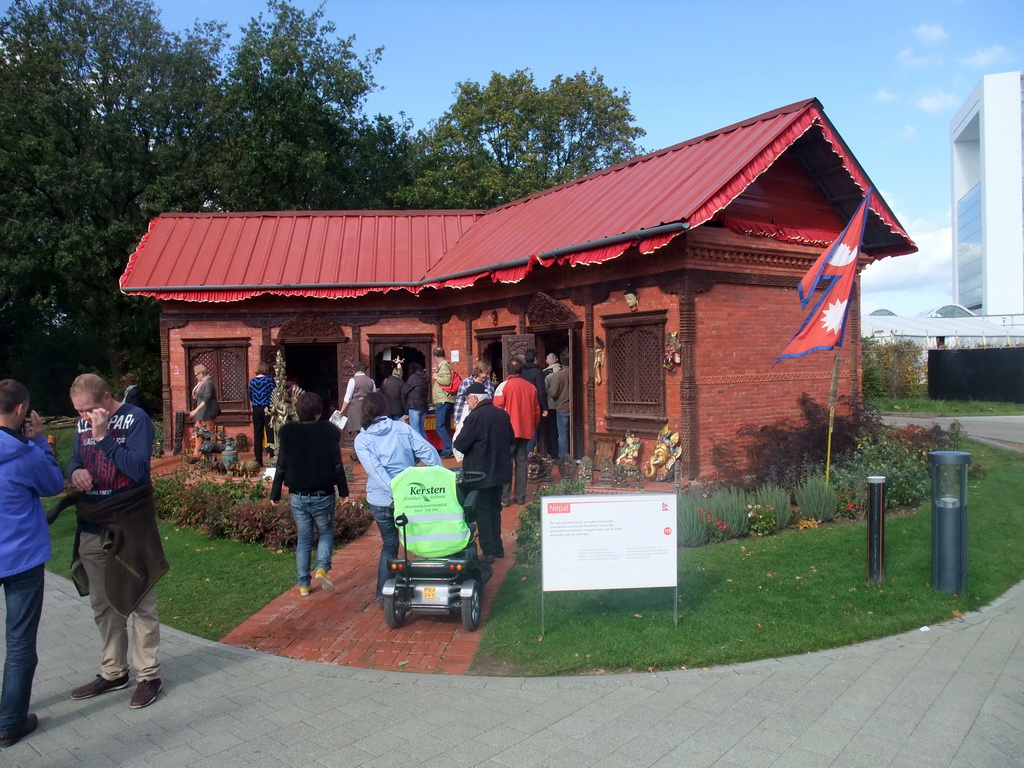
(587, 299)
(686, 291)
(357, 332)
(467, 315)
(167, 324)
(589, 343)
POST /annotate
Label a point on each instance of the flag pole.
(833, 394)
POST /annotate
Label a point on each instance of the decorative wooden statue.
(667, 450)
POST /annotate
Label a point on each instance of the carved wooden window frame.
(228, 361)
(635, 384)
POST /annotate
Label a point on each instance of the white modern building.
(988, 198)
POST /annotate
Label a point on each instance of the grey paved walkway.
(949, 696)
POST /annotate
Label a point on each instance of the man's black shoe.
(146, 693)
(10, 739)
(98, 686)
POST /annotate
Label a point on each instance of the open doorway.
(384, 361)
(314, 367)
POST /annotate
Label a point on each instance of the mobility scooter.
(434, 507)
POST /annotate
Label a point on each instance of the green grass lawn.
(749, 599)
(947, 407)
(213, 585)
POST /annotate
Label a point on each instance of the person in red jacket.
(520, 399)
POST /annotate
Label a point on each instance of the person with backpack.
(446, 385)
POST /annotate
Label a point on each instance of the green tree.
(295, 135)
(895, 369)
(512, 138)
(107, 120)
(91, 146)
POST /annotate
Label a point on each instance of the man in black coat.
(534, 374)
(486, 441)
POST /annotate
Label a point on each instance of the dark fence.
(976, 374)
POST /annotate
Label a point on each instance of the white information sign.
(608, 542)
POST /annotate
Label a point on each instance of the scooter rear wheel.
(394, 613)
(471, 608)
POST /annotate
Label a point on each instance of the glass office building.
(988, 197)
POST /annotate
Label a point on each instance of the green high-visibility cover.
(427, 496)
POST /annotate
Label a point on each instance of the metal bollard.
(876, 528)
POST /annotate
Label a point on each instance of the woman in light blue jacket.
(386, 447)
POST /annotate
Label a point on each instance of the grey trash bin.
(949, 519)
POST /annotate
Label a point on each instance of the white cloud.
(930, 33)
(909, 131)
(884, 96)
(984, 58)
(936, 101)
(916, 283)
(910, 60)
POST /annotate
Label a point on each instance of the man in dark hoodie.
(28, 471)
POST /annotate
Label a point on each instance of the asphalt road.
(1004, 429)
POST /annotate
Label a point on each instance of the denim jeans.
(442, 420)
(385, 519)
(24, 594)
(533, 440)
(309, 511)
(563, 433)
(416, 419)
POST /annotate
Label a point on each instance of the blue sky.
(890, 76)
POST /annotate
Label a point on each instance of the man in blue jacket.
(28, 471)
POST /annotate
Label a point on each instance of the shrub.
(898, 454)
(240, 510)
(852, 505)
(714, 528)
(785, 452)
(692, 532)
(897, 369)
(761, 521)
(816, 499)
(528, 541)
(777, 498)
(728, 506)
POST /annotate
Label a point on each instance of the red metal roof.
(233, 256)
(646, 201)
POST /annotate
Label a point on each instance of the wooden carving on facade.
(310, 326)
(544, 312)
(667, 450)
